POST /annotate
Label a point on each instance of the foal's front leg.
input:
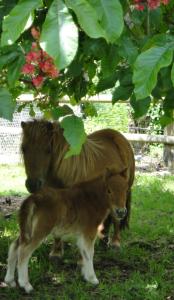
(86, 247)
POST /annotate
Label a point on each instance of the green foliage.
(7, 105)
(59, 34)
(147, 67)
(19, 20)
(96, 45)
(99, 18)
(75, 137)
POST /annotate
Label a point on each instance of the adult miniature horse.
(44, 147)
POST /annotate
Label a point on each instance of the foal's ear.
(23, 125)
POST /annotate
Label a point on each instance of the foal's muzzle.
(121, 213)
(33, 185)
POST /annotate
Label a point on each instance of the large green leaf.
(122, 93)
(59, 36)
(99, 18)
(61, 111)
(110, 60)
(7, 105)
(147, 67)
(74, 133)
(127, 49)
(106, 83)
(140, 106)
(14, 70)
(19, 19)
(172, 74)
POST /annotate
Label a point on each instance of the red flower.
(140, 7)
(35, 33)
(28, 69)
(38, 81)
(53, 72)
(46, 66)
(33, 56)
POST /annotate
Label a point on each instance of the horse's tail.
(26, 215)
(125, 222)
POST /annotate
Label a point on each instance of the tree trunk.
(168, 154)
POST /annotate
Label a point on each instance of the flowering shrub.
(151, 4)
(39, 65)
(126, 47)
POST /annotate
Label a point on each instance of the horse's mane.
(76, 167)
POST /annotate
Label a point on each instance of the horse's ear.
(23, 125)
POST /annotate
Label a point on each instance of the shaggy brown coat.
(44, 148)
(77, 211)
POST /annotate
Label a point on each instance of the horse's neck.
(77, 168)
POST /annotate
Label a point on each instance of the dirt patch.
(9, 204)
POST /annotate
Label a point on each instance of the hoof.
(26, 286)
(93, 280)
(115, 244)
(10, 283)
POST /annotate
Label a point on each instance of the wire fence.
(116, 117)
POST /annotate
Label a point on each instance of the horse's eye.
(23, 148)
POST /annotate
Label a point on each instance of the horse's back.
(103, 149)
(118, 148)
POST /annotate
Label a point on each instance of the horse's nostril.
(121, 212)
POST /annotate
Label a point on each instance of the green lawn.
(142, 270)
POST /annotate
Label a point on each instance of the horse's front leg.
(104, 233)
(57, 248)
(115, 241)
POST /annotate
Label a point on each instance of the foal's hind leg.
(12, 260)
(24, 253)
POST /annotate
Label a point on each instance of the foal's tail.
(26, 215)
(124, 223)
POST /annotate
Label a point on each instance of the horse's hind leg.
(57, 248)
(12, 261)
(86, 247)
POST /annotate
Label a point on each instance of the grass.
(12, 180)
(143, 269)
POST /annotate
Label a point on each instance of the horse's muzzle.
(121, 213)
(33, 185)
